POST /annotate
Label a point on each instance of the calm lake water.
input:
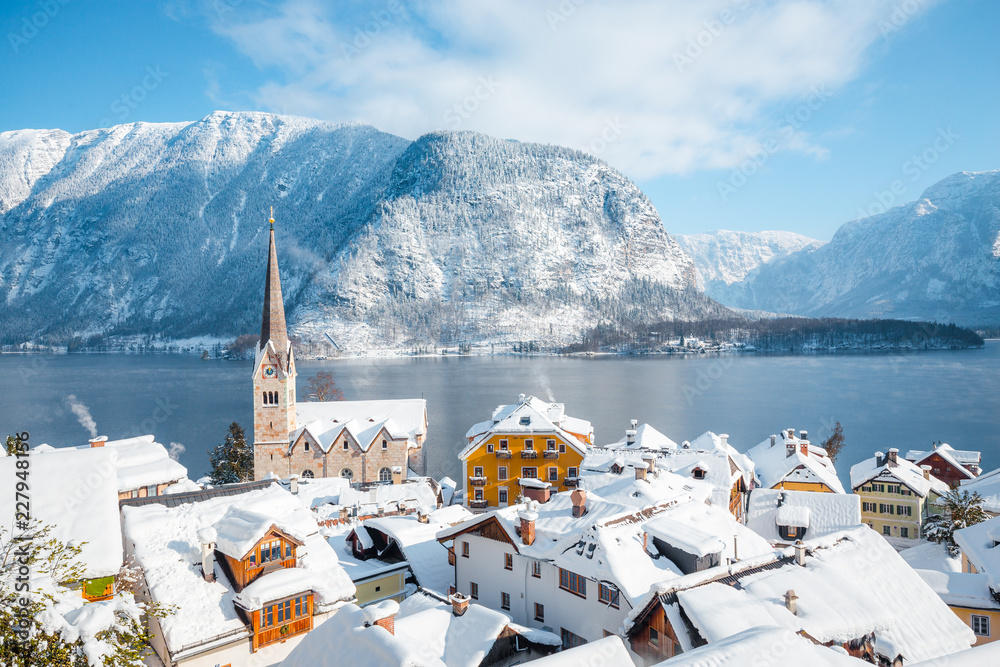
(886, 400)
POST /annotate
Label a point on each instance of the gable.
(490, 528)
(272, 533)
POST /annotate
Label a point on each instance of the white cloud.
(653, 87)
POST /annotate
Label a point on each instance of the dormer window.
(525, 421)
(698, 473)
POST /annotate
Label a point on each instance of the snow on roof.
(419, 492)
(743, 612)
(979, 544)
(286, 583)
(140, 462)
(364, 419)
(448, 486)
(479, 428)
(773, 464)
(430, 627)
(931, 556)
(961, 589)
(451, 515)
(167, 547)
(428, 558)
(659, 485)
(646, 437)
(881, 469)
(822, 513)
(681, 532)
(345, 639)
(239, 530)
(988, 487)
(533, 483)
(74, 492)
(607, 651)
(959, 457)
(183, 486)
(977, 656)
(770, 647)
(532, 415)
(364, 537)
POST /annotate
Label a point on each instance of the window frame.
(574, 583)
(465, 549)
(534, 472)
(539, 612)
(536, 569)
(529, 445)
(508, 561)
(502, 473)
(505, 601)
(502, 496)
(553, 474)
(608, 595)
(981, 620)
(473, 590)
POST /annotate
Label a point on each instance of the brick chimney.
(774, 439)
(893, 453)
(528, 517)
(650, 460)
(927, 471)
(791, 601)
(803, 435)
(397, 474)
(579, 498)
(98, 441)
(383, 615)
(459, 603)
(423, 516)
(804, 447)
(207, 536)
(640, 470)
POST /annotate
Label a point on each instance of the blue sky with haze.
(734, 114)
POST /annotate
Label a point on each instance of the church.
(364, 441)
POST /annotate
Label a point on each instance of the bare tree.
(324, 388)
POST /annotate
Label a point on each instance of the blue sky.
(735, 114)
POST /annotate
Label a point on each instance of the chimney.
(635, 423)
(520, 399)
(800, 553)
(293, 484)
(789, 448)
(927, 471)
(879, 460)
(650, 460)
(724, 439)
(459, 603)
(423, 516)
(803, 435)
(207, 536)
(790, 433)
(98, 441)
(528, 517)
(640, 470)
(383, 615)
(804, 447)
(791, 601)
(630, 437)
(685, 445)
(579, 498)
(892, 456)
(397, 474)
(774, 439)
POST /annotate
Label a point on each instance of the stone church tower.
(273, 379)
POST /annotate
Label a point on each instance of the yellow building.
(896, 495)
(789, 463)
(531, 439)
(980, 545)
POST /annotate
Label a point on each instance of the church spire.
(272, 325)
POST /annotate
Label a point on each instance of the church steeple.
(272, 324)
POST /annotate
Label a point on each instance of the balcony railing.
(273, 635)
(503, 454)
(551, 454)
(477, 481)
(572, 481)
(529, 454)
(478, 504)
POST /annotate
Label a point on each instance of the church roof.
(272, 324)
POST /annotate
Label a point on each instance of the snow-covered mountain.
(937, 258)
(160, 229)
(725, 259)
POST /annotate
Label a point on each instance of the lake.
(906, 400)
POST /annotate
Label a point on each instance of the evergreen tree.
(959, 509)
(232, 461)
(835, 442)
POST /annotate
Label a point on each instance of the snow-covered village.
(560, 333)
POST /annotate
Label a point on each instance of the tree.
(32, 625)
(835, 442)
(324, 388)
(959, 509)
(232, 461)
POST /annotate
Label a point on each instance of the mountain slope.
(936, 258)
(158, 229)
(725, 259)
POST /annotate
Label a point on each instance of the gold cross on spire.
(272, 217)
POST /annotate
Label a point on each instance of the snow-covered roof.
(881, 469)
(364, 420)
(961, 589)
(659, 485)
(167, 546)
(139, 461)
(853, 583)
(288, 582)
(531, 415)
(770, 647)
(821, 513)
(606, 651)
(429, 626)
(646, 438)
(988, 487)
(979, 544)
(240, 529)
(75, 493)
(957, 457)
(977, 656)
(686, 531)
(774, 464)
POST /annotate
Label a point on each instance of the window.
(508, 562)
(270, 551)
(573, 472)
(981, 625)
(479, 494)
(477, 471)
(474, 590)
(347, 472)
(306, 446)
(503, 445)
(504, 600)
(608, 595)
(385, 475)
(465, 549)
(562, 448)
(654, 637)
(904, 532)
(286, 610)
(529, 445)
(489, 448)
(385, 444)
(530, 473)
(791, 531)
(904, 510)
(867, 507)
(571, 640)
(346, 446)
(886, 530)
(553, 474)
(525, 420)
(539, 612)
(698, 473)
(307, 474)
(503, 496)
(572, 582)
(550, 445)
(536, 569)
(502, 472)
(150, 491)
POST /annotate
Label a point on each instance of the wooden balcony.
(503, 454)
(551, 454)
(478, 504)
(529, 454)
(477, 481)
(274, 635)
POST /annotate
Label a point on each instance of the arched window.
(264, 395)
(306, 447)
(307, 474)
(385, 475)
(347, 473)
(274, 398)
(385, 445)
